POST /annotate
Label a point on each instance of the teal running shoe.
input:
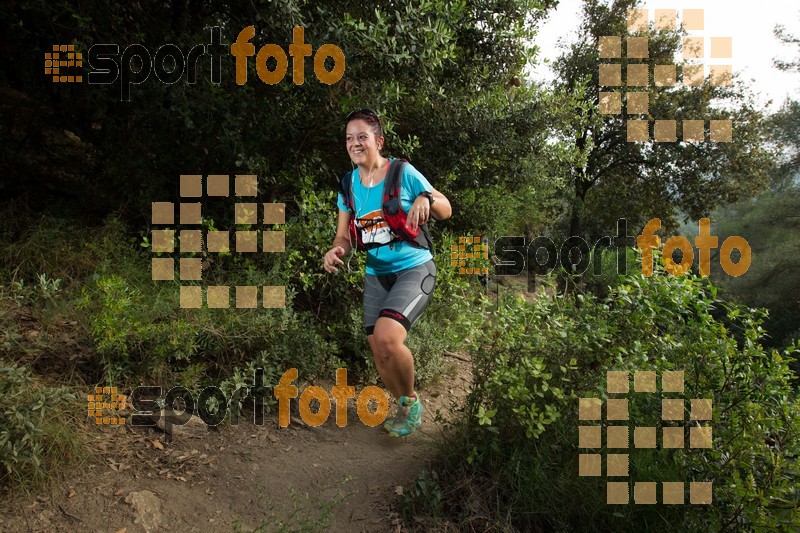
(409, 417)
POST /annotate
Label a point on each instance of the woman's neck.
(374, 168)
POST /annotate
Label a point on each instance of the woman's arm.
(341, 244)
(343, 232)
(441, 209)
(421, 210)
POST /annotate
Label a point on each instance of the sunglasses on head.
(362, 112)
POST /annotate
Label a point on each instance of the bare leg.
(392, 357)
(386, 377)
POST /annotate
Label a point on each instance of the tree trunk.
(575, 225)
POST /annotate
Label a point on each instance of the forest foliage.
(81, 167)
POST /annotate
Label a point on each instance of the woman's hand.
(419, 213)
(332, 257)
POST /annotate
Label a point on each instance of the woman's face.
(362, 145)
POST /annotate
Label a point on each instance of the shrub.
(307, 239)
(136, 339)
(609, 275)
(62, 248)
(452, 319)
(36, 434)
(519, 436)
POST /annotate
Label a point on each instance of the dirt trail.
(241, 476)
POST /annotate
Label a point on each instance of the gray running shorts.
(402, 296)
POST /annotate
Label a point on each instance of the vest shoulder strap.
(346, 188)
(392, 183)
(392, 188)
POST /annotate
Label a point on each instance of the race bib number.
(375, 229)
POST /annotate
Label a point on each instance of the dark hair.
(369, 116)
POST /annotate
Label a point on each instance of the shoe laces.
(406, 402)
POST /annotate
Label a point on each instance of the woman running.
(400, 273)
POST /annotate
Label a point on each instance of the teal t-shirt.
(367, 202)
